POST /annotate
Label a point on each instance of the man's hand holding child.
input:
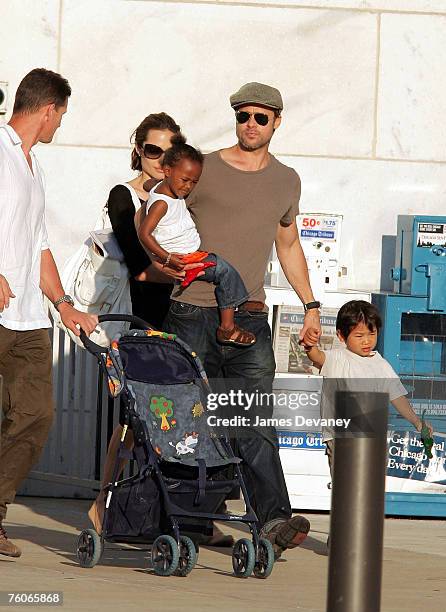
(310, 338)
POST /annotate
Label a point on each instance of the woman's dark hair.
(355, 312)
(39, 88)
(155, 121)
(180, 150)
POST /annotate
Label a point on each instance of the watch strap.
(311, 305)
(64, 299)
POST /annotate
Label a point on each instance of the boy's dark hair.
(355, 312)
(38, 88)
(180, 150)
(154, 121)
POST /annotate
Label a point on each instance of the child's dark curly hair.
(355, 312)
(180, 150)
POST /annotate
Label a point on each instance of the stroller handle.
(97, 349)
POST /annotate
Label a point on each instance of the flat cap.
(257, 93)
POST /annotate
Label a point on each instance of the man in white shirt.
(27, 270)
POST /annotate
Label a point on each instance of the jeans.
(230, 290)
(254, 367)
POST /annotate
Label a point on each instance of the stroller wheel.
(188, 557)
(165, 555)
(243, 558)
(265, 563)
(89, 548)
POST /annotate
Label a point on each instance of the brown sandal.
(242, 337)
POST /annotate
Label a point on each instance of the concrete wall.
(363, 83)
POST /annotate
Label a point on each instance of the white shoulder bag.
(97, 279)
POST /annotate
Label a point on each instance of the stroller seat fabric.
(169, 388)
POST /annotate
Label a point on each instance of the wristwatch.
(64, 299)
(311, 305)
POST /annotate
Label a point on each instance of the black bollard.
(357, 507)
(1, 405)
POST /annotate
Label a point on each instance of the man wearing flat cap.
(245, 201)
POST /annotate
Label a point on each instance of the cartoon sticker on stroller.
(197, 410)
(162, 408)
(187, 444)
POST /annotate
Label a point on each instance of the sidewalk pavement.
(414, 575)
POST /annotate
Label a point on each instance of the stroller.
(182, 476)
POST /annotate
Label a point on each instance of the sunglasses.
(243, 117)
(152, 151)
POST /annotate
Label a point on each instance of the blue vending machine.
(413, 340)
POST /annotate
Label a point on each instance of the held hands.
(5, 293)
(311, 329)
(74, 319)
(311, 338)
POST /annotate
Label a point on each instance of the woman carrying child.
(149, 290)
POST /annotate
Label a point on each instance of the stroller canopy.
(168, 389)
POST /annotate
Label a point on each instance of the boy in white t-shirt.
(168, 232)
(356, 366)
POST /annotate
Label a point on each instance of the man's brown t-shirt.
(237, 213)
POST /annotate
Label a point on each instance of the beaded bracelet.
(166, 263)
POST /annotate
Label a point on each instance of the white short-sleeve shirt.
(176, 231)
(23, 233)
(347, 371)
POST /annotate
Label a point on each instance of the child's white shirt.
(344, 370)
(176, 231)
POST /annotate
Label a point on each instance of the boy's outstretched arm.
(406, 411)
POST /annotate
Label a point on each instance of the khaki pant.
(25, 364)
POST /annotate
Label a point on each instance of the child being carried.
(169, 232)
